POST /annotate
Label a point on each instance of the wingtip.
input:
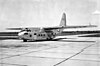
(13, 28)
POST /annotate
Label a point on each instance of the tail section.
(63, 20)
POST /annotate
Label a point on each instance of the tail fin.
(63, 20)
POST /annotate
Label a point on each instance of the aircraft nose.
(21, 34)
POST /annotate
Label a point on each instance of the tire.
(24, 40)
(49, 38)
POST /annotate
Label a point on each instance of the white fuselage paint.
(38, 34)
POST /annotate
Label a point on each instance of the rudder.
(63, 20)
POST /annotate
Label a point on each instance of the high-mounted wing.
(53, 28)
(68, 27)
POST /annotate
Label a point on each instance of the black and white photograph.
(49, 32)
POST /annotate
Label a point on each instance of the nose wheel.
(24, 40)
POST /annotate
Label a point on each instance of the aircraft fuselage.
(37, 34)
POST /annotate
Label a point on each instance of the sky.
(44, 13)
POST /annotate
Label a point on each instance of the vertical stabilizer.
(63, 20)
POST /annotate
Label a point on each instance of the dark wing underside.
(8, 35)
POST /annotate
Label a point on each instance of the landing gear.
(50, 38)
(24, 40)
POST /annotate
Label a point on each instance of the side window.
(38, 34)
(34, 33)
(30, 35)
(43, 34)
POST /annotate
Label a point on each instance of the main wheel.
(49, 38)
(24, 40)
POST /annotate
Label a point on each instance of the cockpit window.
(25, 30)
(28, 30)
(22, 30)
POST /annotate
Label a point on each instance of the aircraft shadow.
(48, 40)
(74, 41)
(93, 35)
(61, 40)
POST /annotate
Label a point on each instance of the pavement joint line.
(27, 53)
(73, 55)
(13, 64)
(31, 52)
(63, 58)
(69, 53)
(86, 60)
